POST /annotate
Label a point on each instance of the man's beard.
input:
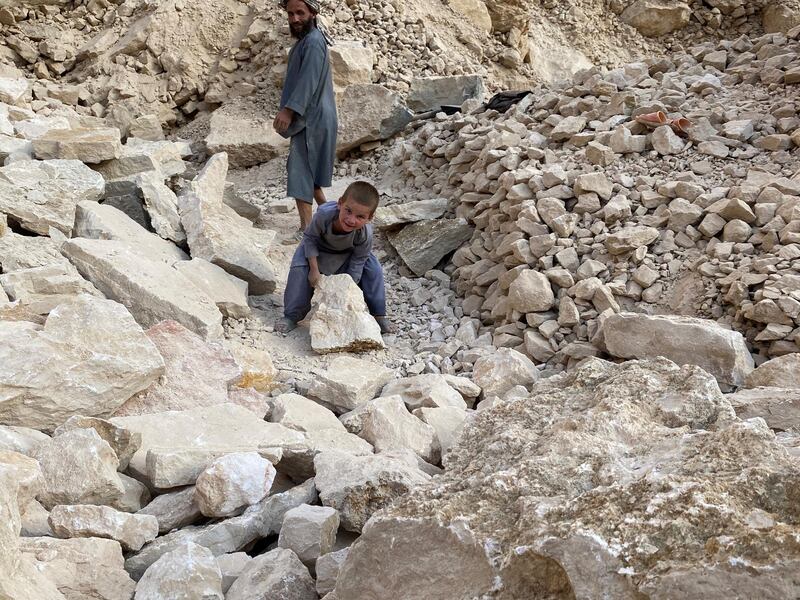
(303, 29)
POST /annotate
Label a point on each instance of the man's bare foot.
(385, 325)
(285, 325)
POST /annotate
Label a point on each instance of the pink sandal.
(652, 120)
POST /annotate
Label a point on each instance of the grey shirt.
(333, 250)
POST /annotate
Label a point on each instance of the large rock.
(152, 290)
(340, 321)
(19, 252)
(498, 372)
(214, 428)
(349, 382)
(309, 532)
(233, 482)
(654, 18)
(428, 390)
(25, 473)
(508, 14)
(124, 443)
(79, 467)
(298, 459)
(779, 407)
(89, 358)
(780, 372)
(358, 486)
(81, 521)
(351, 63)
(531, 292)
(369, 112)
(630, 238)
(44, 194)
(83, 144)
(13, 89)
(258, 370)
(475, 11)
(422, 245)
(431, 93)
(327, 570)
(277, 575)
(161, 204)
(229, 293)
(41, 289)
(410, 212)
(387, 425)
(104, 222)
(174, 509)
(780, 17)
(81, 567)
(197, 373)
(447, 421)
(296, 412)
(189, 571)
(216, 233)
(20, 439)
(683, 340)
(140, 156)
(245, 133)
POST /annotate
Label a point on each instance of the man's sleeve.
(360, 255)
(313, 62)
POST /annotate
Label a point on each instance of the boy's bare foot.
(385, 325)
(285, 325)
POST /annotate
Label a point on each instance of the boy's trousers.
(297, 296)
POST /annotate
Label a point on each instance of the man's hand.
(313, 277)
(283, 120)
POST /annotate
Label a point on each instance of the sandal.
(285, 325)
(652, 120)
(385, 325)
(680, 125)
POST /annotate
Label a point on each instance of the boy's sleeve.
(360, 255)
(313, 234)
(313, 62)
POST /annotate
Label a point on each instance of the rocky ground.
(593, 387)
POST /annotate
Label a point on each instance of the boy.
(338, 240)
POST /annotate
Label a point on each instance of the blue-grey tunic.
(308, 91)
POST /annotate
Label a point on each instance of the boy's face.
(352, 215)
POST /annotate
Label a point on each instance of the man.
(308, 97)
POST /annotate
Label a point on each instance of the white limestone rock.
(498, 372)
(229, 293)
(779, 372)
(173, 510)
(309, 532)
(447, 421)
(423, 244)
(41, 289)
(409, 212)
(349, 382)
(531, 292)
(84, 144)
(25, 475)
(231, 567)
(124, 443)
(21, 439)
(189, 571)
(233, 482)
(277, 574)
(161, 204)
(369, 112)
(300, 413)
(428, 389)
(81, 520)
(327, 570)
(298, 459)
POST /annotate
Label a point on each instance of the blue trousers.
(298, 292)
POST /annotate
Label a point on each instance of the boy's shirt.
(333, 250)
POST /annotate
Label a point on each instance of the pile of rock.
(580, 212)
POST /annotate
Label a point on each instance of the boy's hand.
(283, 120)
(313, 278)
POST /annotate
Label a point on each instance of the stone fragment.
(498, 372)
(666, 142)
(229, 293)
(409, 212)
(300, 413)
(531, 292)
(44, 194)
(41, 289)
(79, 467)
(244, 134)
(124, 443)
(327, 570)
(387, 425)
(216, 428)
(161, 205)
(428, 390)
(359, 486)
(349, 382)
(447, 421)
(151, 290)
(594, 182)
(431, 93)
(422, 245)
(197, 373)
(140, 156)
(20, 439)
(779, 407)
(81, 520)
(630, 238)
(189, 571)
(89, 358)
(13, 89)
(567, 128)
(683, 340)
(655, 18)
(258, 371)
(81, 567)
(369, 112)
(339, 318)
(298, 459)
(86, 145)
(277, 574)
(780, 372)
(309, 532)
(133, 498)
(216, 233)
(173, 510)
(233, 482)
(231, 567)
(25, 474)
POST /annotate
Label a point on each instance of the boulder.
(349, 382)
(498, 372)
(296, 412)
(309, 532)
(780, 372)
(447, 421)
(666, 142)
(151, 289)
(567, 128)
(82, 521)
(684, 340)
(422, 245)
(779, 407)
(233, 482)
(231, 567)
(133, 498)
(20, 439)
(79, 467)
(258, 371)
(369, 112)
(161, 204)
(124, 443)
(88, 359)
(216, 233)
(25, 475)
(41, 289)
(197, 373)
(229, 293)
(211, 428)
(19, 252)
(531, 292)
(138, 157)
(189, 571)
(630, 238)
(245, 133)
(173, 510)
(429, 389)
(13, 89)
(654, 18)
(475, 11)
(298, 459)
(327, 570)
(351, 63)
(780, 17)
(431, 93)
(340, 321)
(508, 14)
(44, 194)
(86, 145)
(410, 212)
(277, 574)
(81, 567)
